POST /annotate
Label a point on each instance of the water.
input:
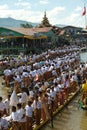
(83, 57)
(71, 118)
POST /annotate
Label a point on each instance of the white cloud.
(55, 16)
(26, 5)
(44, 2)
(59, 16)
(4, 7)
(74, 19)
(55, 11)
(78, 8)
(19, 0)
(22, 14)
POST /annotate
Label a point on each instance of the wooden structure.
(16, 40)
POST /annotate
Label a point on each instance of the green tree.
(27, 25)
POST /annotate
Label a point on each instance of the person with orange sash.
(13, 118)
(29, 115)
(26, 80)
(8, 76)
(44, 111)
(37, 105)
(21, 117)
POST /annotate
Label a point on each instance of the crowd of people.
(40, 84)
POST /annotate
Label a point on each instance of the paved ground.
(71, 118)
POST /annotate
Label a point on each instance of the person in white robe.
(14, 99)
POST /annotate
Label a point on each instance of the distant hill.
(60, 25)
(10, 22)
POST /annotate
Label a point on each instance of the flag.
(84, 11)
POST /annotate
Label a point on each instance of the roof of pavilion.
(31, 31)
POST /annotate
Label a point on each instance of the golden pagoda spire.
(45, 21)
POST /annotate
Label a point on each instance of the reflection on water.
(83, 57)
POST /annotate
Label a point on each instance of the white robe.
(14, 99)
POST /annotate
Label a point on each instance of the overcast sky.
(66, 12)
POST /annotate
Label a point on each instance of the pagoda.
(45, 22)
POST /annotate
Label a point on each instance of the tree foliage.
(27, 25)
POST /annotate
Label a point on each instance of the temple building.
(45, 22)
(17, 40)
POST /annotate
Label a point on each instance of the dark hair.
(36, 96)
(19, 105)
(67, 76)
(0, 114)
(29, 102)
(56, 83)
(13, 109)
(0, 98)
(84, 81)
(9, 95)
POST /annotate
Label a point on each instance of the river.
(70, 118)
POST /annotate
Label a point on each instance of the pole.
(85, 15)
(85, 22)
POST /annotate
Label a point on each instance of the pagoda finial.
(45, 13)
(45, 21)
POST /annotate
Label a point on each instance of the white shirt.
(7, 72)
(31, 93)
(21, 113)
(2, 106)
(53, 94)
(37, 105)
(7, 104)
(13, 116)
(56, 89)
(13, 99)
(24, 97)
(25, 74)
(18, 78)
(3, 123)
(29, 111)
